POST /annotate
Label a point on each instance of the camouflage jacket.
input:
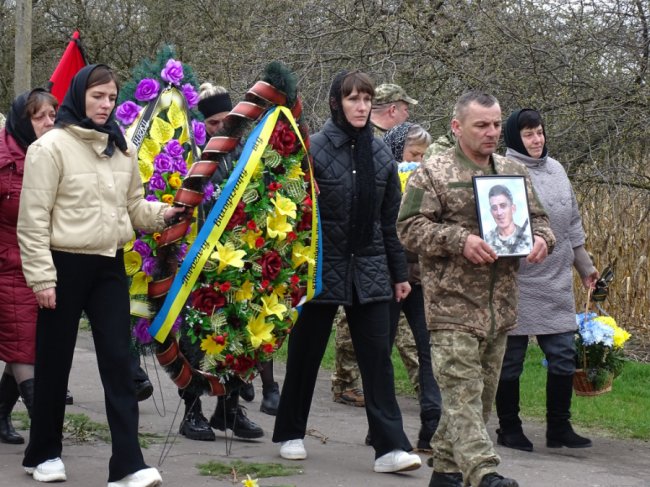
(437, 214)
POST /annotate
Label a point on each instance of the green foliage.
(283, 79)
(238, 469)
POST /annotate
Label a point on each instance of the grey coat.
(546, 300)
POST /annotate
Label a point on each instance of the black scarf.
(73, 112)
(512, 134)
(363, 213)
(19, 123)
(395, 139)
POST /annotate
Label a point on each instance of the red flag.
(71, 62)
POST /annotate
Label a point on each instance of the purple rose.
(141, 331)
(127, 112)
(147, 90)
(142, 248)
(180, 166)
(157, 182)
(174, 148)
(151, 197)
(148, 265)
(208, 191)
(191, 95)
(199, 132)
(163, 163)
(172, 72)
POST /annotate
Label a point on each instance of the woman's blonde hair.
(417, 135)
(208, 89)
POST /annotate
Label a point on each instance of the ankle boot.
(26, 388)
(559, 431)
(194, 425)
(270, 399)
(439, 479)
(8, 397)
(230, 415)
(510, 433)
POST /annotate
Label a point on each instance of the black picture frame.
(501, 206)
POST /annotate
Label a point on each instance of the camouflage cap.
(388, 93)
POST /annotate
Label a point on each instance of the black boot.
(8, 397)
(510, 434)
(439, 479)
(270, 399)
(194, 425)
(496, 480)
(429, 424)
(26, 388)
(247, 392)
(559, 431)
(230, 415)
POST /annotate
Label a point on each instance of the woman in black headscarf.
(32, 114)
(82, 196)
(364, 268)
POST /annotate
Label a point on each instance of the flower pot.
(584, 387)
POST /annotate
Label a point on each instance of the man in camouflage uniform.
(389, 108)
(470, 294)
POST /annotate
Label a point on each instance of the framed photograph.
(503, 216)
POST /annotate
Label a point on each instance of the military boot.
(230, 415)
(195, 426)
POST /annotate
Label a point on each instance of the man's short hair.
(480, 97)
(390, 93)
(498, 190)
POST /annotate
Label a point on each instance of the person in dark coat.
(32, 114)
(364, 269)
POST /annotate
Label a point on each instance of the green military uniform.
(469, 307)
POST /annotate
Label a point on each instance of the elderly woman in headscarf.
(546, 302)
(82, 196)
(364, 269)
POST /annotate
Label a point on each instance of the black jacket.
(373, 269)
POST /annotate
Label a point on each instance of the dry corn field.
(616, 220)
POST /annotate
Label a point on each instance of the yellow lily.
(284, 206)
(272, 306)
(245, 292)
(259, 330)
(277, 227)
(250, 237)
(301, 254)
(227, 255)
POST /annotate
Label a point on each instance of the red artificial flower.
(296, 296)
(208, 300)
(267, 348)
(220, 339)
(225, 287)
(242, 363)
(264, 284)
(271, 263)
(283, 140)
(238, 217)
(274, 186)
(305, 222)
(295, 280)
(259, 242)
(291, 236)
(251, 225)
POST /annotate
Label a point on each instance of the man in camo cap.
(390, 107)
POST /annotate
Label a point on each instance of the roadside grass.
(238, 470)
(622, 413)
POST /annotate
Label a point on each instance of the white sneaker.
(147, 477)
(51, 470)
(397, 461)
(293, 450)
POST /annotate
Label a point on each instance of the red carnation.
(208, 300)
(271, 263)
(283, 140)
(238, 217)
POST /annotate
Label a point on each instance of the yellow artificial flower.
(149, 150)
(210, 346)
(132, 262)
(129, 245)
(175, 180)
(139, 284)
(245, 292)
(249, 482)
(295, 172)
(284, 206)
(167, 198)
(259, 330)
(146, 170)
(161, 131)
(272, 306)
(175, 114)
(620, 337)
(227, 255)
(280, 290)
(277, 227)
(301, 254)
(250, 237)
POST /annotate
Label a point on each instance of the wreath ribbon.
(218, 218)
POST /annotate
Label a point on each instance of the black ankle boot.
(496, 480)
(26, 388)
(8, 397)
(439, 479)
(510, 433)
(194, 425)
(230, 415)
(270, 399)
(559, 431)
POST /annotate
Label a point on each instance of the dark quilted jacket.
(373, 269)
(18, 307)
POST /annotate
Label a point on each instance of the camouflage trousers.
(346, 371)
(467, 369)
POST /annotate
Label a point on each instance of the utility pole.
(23, 47)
